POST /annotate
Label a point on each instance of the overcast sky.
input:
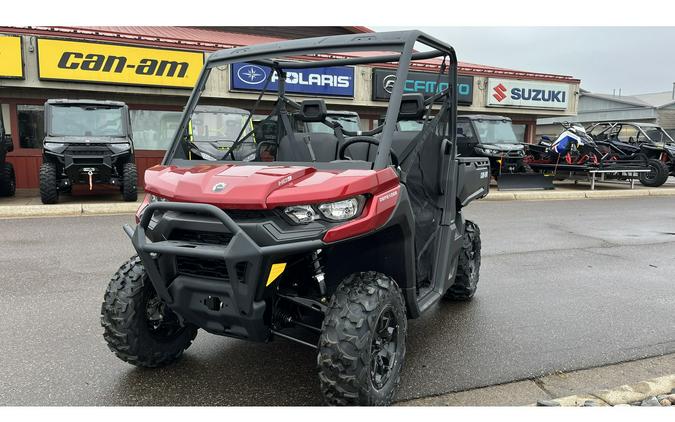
(636, 59)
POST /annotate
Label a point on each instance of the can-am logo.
(388, 83)
(530, 94)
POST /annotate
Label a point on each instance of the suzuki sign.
(324, 81)
(530, 94)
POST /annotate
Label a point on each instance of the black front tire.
(657, 176)
(362, 342)
(130, 327)
(49, 191)
(7, 180)
(468, 267)
(129, 182)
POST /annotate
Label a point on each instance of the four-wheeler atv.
(334, 244)
(630, 139)
(493, 137)
(87, 142)
(7, 177)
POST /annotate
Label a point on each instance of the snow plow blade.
(524, 181)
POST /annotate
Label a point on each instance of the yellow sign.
(117, 64)
(11, 60)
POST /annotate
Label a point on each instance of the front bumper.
(217, 286)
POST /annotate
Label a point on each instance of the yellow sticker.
(117, 64)
(275, 272)
(11, 59)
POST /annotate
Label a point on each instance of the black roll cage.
(402, 42)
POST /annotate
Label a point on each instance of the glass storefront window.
(31, 125)
(154, 129)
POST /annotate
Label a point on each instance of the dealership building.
(153, 69)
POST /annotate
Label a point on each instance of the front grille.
(202, 267)
(201, 237)
(87, 150)
(249, 214)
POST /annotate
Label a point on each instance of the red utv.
(332, 240)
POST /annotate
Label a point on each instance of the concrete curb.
(67, 210)
(567, 195)
(623, 394)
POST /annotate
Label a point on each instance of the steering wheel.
(366, 140)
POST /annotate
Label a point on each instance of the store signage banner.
(529, 94)
(117, 64)
(11, 59)
(323, 81)
(384, 79)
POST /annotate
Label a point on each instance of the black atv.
(628, 139)
(7, 177)
(334, 242)
(87, 142)
(493, 137)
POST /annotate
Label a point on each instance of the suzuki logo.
(500, 92)
(251, 74)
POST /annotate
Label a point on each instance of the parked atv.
(333, 245)
(7, 177)
(493, 137)
(625, 139)
(87, 142)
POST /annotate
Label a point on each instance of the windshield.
(656, 134)
(223, 126)
(495, 132)
(79, 120)
(348, 123)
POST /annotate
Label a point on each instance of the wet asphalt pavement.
(564, 285)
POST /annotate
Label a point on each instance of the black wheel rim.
(652, 174)
(384, 348)
(162, 323)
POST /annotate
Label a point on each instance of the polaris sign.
(512, 93)
(323, 81)
(424, 82)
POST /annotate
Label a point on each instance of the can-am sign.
(512, 93)
(424, 82)
(84, 61)
(324, 81)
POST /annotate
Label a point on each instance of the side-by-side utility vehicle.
(87, 142)
(493, 137)
(331, 240)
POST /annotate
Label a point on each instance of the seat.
(324, 146)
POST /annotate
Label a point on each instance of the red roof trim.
(168, 37)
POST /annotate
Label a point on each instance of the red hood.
(250, 186)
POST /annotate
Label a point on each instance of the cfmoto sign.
(527, 94)
(426, 83)
(324, 81)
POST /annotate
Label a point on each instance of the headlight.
(55, 147)
(337, 211)
(119, 148)
(491, 151)
(340, 210)
(301, 214)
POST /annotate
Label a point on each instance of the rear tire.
(138, 328)
(468, 267)
(7, 180)
(362, 342)
(49, 192)
(657, 176)
(129, 182)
